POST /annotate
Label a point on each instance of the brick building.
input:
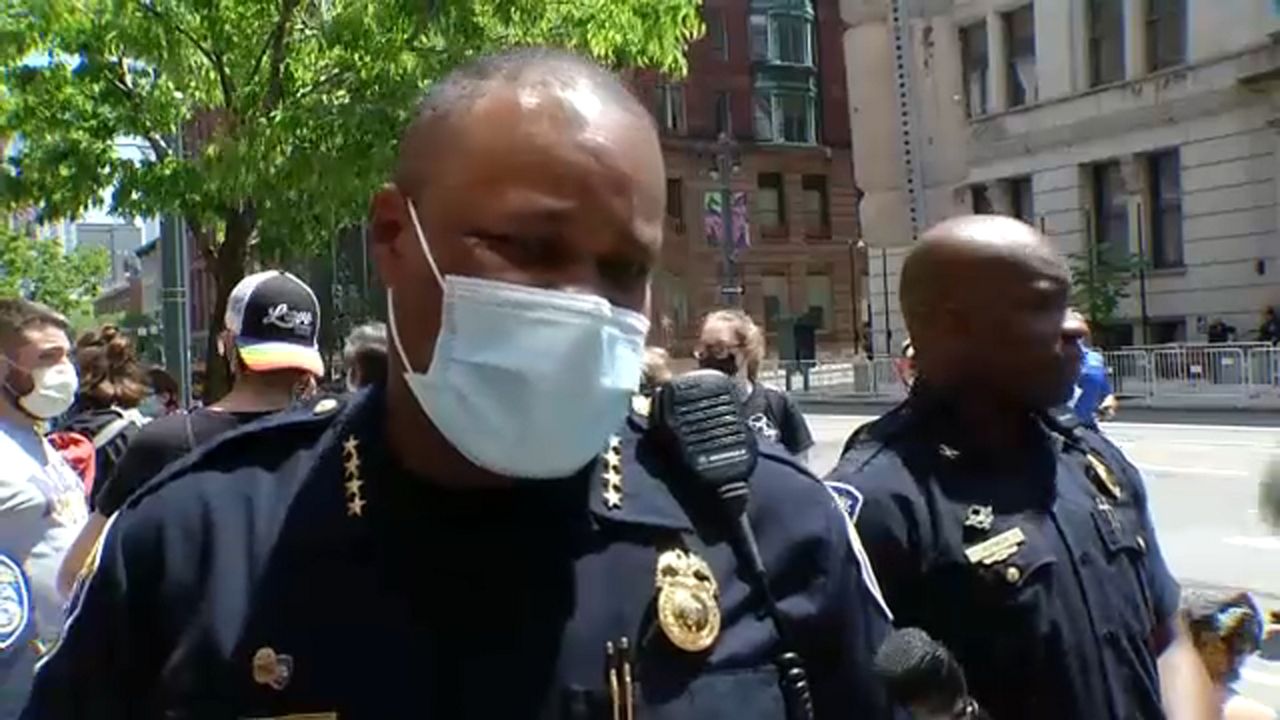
(770, 75)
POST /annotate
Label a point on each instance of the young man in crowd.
(42, 503)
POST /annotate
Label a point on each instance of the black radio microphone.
(923, 676)
(698, 416)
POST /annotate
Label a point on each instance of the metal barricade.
(1130, 372)
(1200, 371)
(1264, 372)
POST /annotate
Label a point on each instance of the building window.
(671, 108)
(1106, 42)
(973, 50)
(771, 210)
(675, 199)
(1165, 171)
(980, 201)
(1020, 39)
(724, 113)
(1022, 198)
(1166, 33)
(817, 210)
(776, 307)
(785, 117)
(759, 28)
(781, 38)
(1110, 211)
(717, 33)
(818, 291)
(791, 40)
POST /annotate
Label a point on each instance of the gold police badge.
(688, 600)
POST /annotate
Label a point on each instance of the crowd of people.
(495, 526)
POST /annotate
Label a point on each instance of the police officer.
(1013, 536)
(486, 535)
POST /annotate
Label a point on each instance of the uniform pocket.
(747, 694)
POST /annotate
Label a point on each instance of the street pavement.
(1203, 482)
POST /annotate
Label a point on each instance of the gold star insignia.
(353, 486)
(612, 474)
(355, 507)
(352, 466)
(351, 446)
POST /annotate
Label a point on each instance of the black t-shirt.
(773, 415)
(159, 443)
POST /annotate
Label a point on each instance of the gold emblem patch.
(688, 600)
(1103, 478)
(270, 668)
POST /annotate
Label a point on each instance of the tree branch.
(124, 84)
(275, 82)
(214, 59)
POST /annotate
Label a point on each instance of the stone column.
(997, 62)
(1135, 38)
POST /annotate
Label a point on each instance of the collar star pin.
(612, 474)
(979, 517)
(351, 472)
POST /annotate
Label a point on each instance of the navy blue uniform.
(1041, 574)
(293, 567)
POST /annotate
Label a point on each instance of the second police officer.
(1010, 534)
(472, 539)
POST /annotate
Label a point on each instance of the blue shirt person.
(487, 534)
(1017, 538)
(1093, 396)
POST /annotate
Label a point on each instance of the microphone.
(923, 676)
(698, 416)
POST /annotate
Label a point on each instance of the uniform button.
(1109, 635)
(1142, 543)
(1012, 574)
(1086, 558)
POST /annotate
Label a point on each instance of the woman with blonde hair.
(731, 342)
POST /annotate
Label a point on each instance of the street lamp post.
(726, 164)
(177, 329)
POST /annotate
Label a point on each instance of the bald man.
(487, 534)
(994, 521)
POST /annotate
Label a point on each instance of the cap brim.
(274, 355)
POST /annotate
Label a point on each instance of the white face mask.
(525, 382)
(53, 390)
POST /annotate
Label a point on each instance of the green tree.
(1100, 281)
(38, 269)
(289, 108)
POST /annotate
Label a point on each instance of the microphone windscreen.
(918, 671)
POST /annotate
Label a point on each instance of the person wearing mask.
(996, 523)
(42, 503)
(364, 355)
(731, 342)
(112, 386)
(359, 558)
(272, 323)
(1227, 628)
(1093, 398)
(165, 397)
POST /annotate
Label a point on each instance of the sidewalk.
(1196, 412)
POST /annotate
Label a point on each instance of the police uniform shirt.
(293, 569)
(1043, 575)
